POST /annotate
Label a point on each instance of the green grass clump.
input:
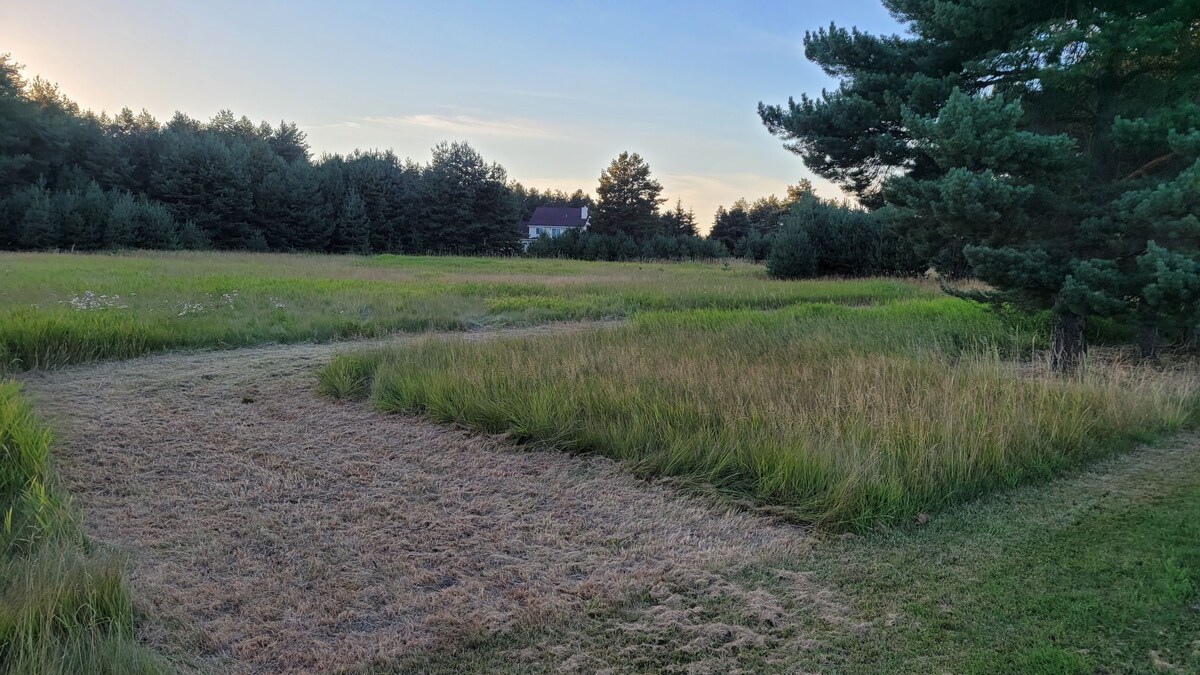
(59, 309)
(64, 607)
(844, 416)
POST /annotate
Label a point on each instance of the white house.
(553, 221)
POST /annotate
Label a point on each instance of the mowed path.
(272, 530)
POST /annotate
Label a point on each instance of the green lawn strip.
(1084, 575)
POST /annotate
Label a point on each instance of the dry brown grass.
(274, 531)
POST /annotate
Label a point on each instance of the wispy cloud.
(468, 125)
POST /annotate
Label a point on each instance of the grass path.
(1094, 573)
(271, 530)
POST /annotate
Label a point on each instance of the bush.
(847, 243)
(755, 246)
(592, 246)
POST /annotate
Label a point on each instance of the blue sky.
(551, 90)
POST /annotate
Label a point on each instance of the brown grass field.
(270, 530)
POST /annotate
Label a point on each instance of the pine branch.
(1151, 165)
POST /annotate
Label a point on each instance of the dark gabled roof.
(556, 216)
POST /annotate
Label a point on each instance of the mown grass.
(839, 415)
(58, 309)
(64, 605)
(1097, 573)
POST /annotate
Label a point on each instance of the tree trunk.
(1147, 341)
(1069, 346)
(1189, 342)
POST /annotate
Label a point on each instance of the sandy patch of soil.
(272, 530)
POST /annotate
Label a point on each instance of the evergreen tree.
(755, 246)
(93, 207)
(120, 231)
(767, 214)
(71, 178)
(466, 205)
(39, 226)
(627, 198)
(192, 238)
(1014, 135)
(792, 255)
(680, 222)
(353, 231)
(730, 226)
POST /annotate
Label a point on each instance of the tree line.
(1051, 150)
(72, 179)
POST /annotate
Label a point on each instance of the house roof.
(557, 216)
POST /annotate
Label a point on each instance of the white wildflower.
(90, 301)
(191, 308)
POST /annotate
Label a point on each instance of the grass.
(59, 309)
(839, 415)
(1097, 573)
(853, 405)
(64, 605)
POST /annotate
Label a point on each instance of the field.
(842, 416)
(653, 467)
(62, 309)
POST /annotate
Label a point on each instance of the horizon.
(650, 92)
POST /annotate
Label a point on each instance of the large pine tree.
(1040, 145)
(628, 199)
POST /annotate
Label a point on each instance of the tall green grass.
(844, 416)
(58, 309)
(64, 606)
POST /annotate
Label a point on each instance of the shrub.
(756, 246)
(587, 245)
(846, 242)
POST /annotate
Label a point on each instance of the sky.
(552, 90)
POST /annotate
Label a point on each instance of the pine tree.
(792, 255)
(1014, 135)
(39, 226)
(730, 226)
(93, 206)
(678, 222)
(120, 230)
(353, 231)
(627, 198)
(466, 203)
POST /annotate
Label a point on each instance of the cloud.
(467, 125)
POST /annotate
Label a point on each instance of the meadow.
(848, 405)
(845, 416)
(59, 309)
